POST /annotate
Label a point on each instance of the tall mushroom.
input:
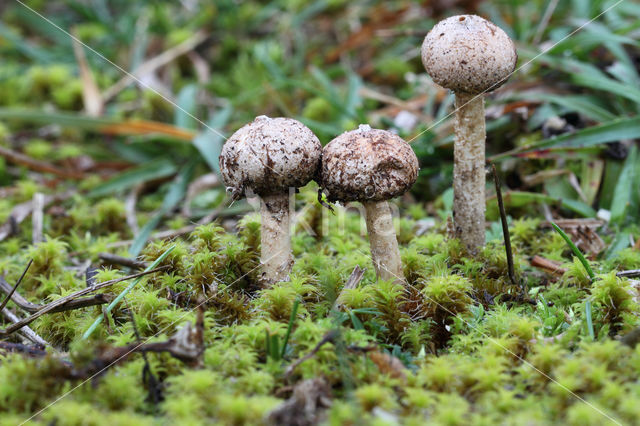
(371, 166)
(470, 56)
(270, 156)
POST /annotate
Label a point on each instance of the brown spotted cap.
(269, 156)
(467, 53)
(367, 165)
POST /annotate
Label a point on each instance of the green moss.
(38, 149)
(318, 109)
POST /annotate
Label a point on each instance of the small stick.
(632, 273)
(37, 165)
(329, 337)
(352, 282)
(505, 227)
(548, 265)
(15, 287)
(121, 260)
(84, 302)
(50, 307)
(37, 218)
(81, 302)
(25, 331)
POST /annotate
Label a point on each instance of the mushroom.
(269, 157)
(371, 166)
(470, 56)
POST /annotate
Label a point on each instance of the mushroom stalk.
(382, 238)
(276, 258)
(469, 171)
(470, 56)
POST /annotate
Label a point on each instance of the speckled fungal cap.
(467, 53)
(367, 165)
(268, 156)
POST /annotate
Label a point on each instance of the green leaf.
(29, 50)
(623, 194)
(521, 199)
(357, 324)
(624, 128)
(61, 118)
(174, 195)
(587, 105)
(187, 101)
(154, 170)
(620, 242)
(292, 320)
(209, 143)
(591, 176)
(575, 250)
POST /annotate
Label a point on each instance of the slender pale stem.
(383, 241)
(276, 256)
(469, 171)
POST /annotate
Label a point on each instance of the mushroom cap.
(467, 53)
(269, 156)
(367, 165)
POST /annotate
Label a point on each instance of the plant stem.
(505, 227)
(383, 242)
(276, 255)
(469, 171)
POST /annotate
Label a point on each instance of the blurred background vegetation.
(563, 131)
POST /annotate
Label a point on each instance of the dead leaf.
(388, 364)
(93, 104)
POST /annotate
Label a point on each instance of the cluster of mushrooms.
(272, 157)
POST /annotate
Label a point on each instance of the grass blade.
(587, 312)
(623, 128)
(575, 250)
(515, 199)
(154, 170)
(186, 100)
(292, 319)
(209, 143)
(587, 267)
(623, 194)
(124, 292)
(174, 195)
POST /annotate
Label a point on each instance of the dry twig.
(50, 307)
(631, 273)
(114, 259)
(15, 287)
(547, 265)
(37, 165)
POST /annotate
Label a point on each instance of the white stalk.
(383, 241)
(469, 171)
(276, 257)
